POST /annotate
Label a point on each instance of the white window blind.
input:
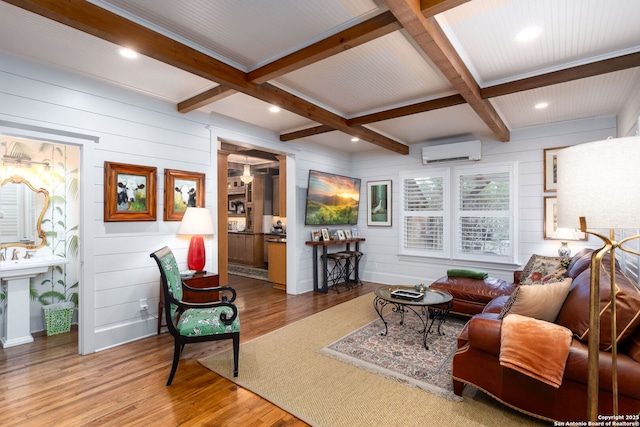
(465, 212)
(9, 208)
(483, 213)
(425, 213)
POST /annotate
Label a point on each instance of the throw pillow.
(540, 301)
(544, 269)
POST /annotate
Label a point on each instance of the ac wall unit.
(469, 150)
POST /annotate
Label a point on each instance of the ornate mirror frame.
(17, 179)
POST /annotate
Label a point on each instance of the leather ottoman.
(470, 296)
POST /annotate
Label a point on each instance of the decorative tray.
(407, 295)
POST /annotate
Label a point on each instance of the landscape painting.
(332, 199)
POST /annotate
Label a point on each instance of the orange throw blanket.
(535, 348)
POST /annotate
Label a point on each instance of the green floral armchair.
(190, 322)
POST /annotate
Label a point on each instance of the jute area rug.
(286, 368)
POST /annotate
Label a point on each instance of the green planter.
(57, 317)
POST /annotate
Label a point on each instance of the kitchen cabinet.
(246, 248)
(246, 201)
(278, 263)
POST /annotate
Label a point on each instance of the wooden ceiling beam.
(205, 98)
(433, 7)
(431, 39)
(407, 110)
(316, 130)
(91, 19)
(597, 68)
(357, 35)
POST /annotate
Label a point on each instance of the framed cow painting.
(181, 190)
(129, 192)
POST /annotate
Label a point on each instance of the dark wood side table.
(206, 280)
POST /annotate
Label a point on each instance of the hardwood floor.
(47, 383)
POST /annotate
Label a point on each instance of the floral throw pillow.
(544, 269)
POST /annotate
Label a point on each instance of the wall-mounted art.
(181, 190)
(551, 219)
(551, 168)
(379, 203)
(129, 192)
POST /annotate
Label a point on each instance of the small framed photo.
(129, 192)
(315, 235)
(325, 234)
(355, 233)
(379, 203)
(340, 234)
(181, 190)
(551, 169)
(347, 234)
(551, 219)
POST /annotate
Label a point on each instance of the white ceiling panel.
(458, 120)
(573, 32)
(386, 72)
(246, 33)
(592, 97)
(247, 109)
(63, 47)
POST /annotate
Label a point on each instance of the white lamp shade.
(565, 234)
(196, 221)
(601, 182)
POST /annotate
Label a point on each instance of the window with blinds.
(424, 213)
(474, 218)
(9, 213)
(483, 213)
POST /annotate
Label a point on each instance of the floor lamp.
(598, 187)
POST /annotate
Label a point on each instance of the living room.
(111, 123)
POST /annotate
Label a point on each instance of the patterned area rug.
(400, 354)
(246, 271)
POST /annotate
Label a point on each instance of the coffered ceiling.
(390, 72)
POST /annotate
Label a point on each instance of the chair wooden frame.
(179, 339)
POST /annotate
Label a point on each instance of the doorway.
(53, 167)
(250, 200)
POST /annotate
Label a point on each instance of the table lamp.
(196, 222)
(598, 185)
(564, 235)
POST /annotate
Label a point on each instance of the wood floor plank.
(47, 383)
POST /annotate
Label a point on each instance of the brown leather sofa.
(477, 360)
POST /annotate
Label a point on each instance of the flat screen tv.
(332, 199)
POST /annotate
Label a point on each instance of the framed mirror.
(22, 208)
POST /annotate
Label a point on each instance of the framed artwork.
(551, 219)
(315, 235)
(325, 234)
(379, 203)
(340, 234)
(551, 168)
(347, 234)
(181, 190)
(129, 192)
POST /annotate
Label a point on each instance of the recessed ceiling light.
(128, 53)
(355, 139)
(274, 109)
(541, 105)
(528, 34)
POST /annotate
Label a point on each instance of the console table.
(325, 244)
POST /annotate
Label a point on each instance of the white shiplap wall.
(125, 127)
(381, 262)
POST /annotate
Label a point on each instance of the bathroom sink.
(29, 267)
